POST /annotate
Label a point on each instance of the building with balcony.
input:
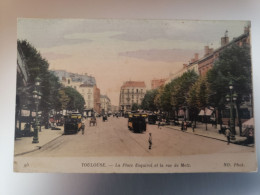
(131, 92)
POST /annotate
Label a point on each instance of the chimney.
(196, 56)
(225, 39)
(206, 49)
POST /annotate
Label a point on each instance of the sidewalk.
(211, 132)
(24, 145)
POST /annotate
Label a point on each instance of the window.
(68, 81)
(136, 90)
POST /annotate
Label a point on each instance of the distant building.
(191, 66)
(97, 103)
(156, 83)
(87, 91)
(74, 77)
(85, 85)
(114, 109)
(131, 92)
(105, 104)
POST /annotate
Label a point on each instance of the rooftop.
(133, 84)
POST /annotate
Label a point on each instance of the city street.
(112, 138)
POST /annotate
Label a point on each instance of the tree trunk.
(239, 119)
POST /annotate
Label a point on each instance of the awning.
(249, 123)
(27, 113)
(209, 112)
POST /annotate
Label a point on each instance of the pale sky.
(115, 51)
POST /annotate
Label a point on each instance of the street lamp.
(231, 99)
(37, 98)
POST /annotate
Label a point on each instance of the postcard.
(134, 96)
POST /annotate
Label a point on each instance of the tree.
(203, 95)
(37, 66)
(180, 89)
(234, 63)
(197, 97)
(192, 102)
(135, 107)
(63, 99)
(148, 101)
(76, 100)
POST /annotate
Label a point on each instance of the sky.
(115, 51)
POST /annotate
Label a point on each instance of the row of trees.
(54, 96)
(194, 92)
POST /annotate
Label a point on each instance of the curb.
(206, 136)
(38, 147)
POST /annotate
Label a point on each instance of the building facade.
(97, 103)
(87, 91)
(131, 92)
(85, 85)
(105, 104)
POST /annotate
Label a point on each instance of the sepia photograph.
(134, 96)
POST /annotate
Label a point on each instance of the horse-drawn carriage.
(93, 121)
(104, 118)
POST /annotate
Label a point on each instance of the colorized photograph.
(134, 96)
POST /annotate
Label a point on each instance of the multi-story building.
(105, 104)
(202, 65)
(97, 103)
(210, 56)
(131, 92)
(87, 91)
(85, 85)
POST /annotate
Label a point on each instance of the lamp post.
(231, 99)
(36, 97)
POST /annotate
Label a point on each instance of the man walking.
(228, 134)
(150, 141)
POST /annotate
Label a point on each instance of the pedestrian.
(150, 141)
(228, 134)
(159, 124)
(83, 129)
(83, 126)
(250, 137)
(182, 125)
(193, 126)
